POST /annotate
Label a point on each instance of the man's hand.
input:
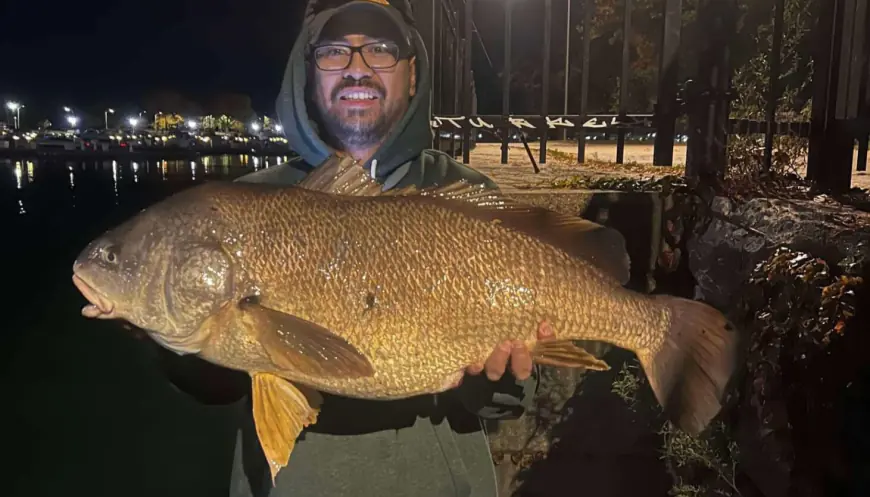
(516, 352)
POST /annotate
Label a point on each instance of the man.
(357, 88)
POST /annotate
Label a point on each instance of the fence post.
(545, 84)
(425, 12)
(667, 109)
(708, 98)
(773, 92)
(468, 86)
(588, 10)
(506, 82)
(839, 66)
(623, 81)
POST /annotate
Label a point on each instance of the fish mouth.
(99, 306)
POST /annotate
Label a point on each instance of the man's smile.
(358, 97)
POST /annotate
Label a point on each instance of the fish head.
(165, 271)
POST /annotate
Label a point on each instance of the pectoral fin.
(565, 353)
(295, 344)
(281, 412)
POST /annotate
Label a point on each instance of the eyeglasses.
(377, 55)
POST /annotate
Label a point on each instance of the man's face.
(359, 105)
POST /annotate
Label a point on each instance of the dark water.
(87, 410)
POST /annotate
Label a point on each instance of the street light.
(191, 124)
(279, 128)
(133, 122)
(72, 120)
(16, 108)
(67, 109)
(255, 127)
(106, 115)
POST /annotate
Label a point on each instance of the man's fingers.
(497, 362)
(521, 361)
(545, 331)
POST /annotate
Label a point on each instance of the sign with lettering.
(600, 122)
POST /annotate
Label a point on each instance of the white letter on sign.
(559, 121)
(521, 123)
(480, 123)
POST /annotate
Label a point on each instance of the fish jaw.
(99, 306)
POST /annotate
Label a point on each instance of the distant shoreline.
(163, 153)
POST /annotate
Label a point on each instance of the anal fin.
(281, 412)
(564, 353)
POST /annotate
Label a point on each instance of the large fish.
(388, 296)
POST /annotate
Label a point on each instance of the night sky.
(111, 52)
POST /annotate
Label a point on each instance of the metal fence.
(841, 94)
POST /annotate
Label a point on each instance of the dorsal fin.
(342, 176)
(599, 245)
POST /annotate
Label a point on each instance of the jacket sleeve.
(507, 398)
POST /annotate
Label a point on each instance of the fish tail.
(690, 371)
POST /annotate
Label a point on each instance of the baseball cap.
(374, 18)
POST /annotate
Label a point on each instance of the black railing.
(841, 94)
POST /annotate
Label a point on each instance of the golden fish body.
(388, 296)
(420, 290)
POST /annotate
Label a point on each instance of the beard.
(355, 127)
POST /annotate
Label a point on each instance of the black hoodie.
(403, 159)
(427, 446)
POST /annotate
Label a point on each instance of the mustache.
(362, 83)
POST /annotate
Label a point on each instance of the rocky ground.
(788, 266)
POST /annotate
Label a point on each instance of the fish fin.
(342, 176)
(599, 245)
(281, 411)
(690, 372)
(565, 353)
(295, 344)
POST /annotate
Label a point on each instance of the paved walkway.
(561, 163)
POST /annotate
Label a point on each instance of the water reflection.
(18, 175)
(115, 179)
(50, 185)
(19, 185)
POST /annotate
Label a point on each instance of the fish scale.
(415, 338)
(389, 296)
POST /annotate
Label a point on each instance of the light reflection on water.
(25, 185)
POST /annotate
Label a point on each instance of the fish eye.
(109, 254)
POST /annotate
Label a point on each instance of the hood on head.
(411, 135)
